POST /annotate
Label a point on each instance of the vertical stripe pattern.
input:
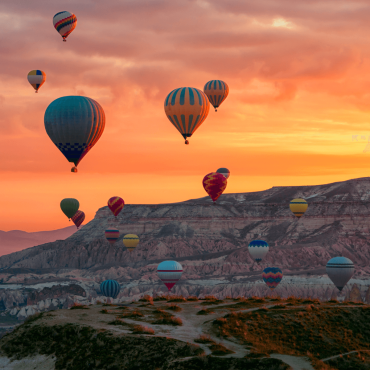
(110, 288)
(216, 91)
(64, 23)
(186, 108)
(74, 124)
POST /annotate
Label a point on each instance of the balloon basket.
(186, 142)
(36, 92)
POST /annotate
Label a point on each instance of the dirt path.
(296, 363)
(342, 354)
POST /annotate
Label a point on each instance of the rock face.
(210, 241)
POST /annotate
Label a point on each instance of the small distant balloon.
(69, 206)
(110, 288)
(36, 78)
(216, 91)
(340, 270)
(272, 276)
(64, 22)
(78, 218)
(186, 108)
(298, 207)
(214, 184)
(224, 171)
(116, 205)
(112, 235)
(258, 249)
(170, 273)
(130, 241)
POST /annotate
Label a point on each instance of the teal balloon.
(74, 124)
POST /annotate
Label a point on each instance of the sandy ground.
(193, 326)
(28, 363)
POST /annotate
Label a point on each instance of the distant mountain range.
(17, 240)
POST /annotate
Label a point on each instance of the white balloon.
(258, 249)
(340, 270)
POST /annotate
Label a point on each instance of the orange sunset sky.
(299, 79)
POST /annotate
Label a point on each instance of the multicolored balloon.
(214, 184)
(130, 241)
(224, 171)
(36, 78)
(69, 206)
(298, 207)
(170, 273)
(78, 218)
(186, 108)
(216, 91)
(112, 235)
(116, 205)
(272, 276)
(74, 124)
(64, 23)
(110, 288)
(258, 249)
(340, 270)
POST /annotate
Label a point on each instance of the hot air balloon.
(110, 288)
(74, 124)
(69, 206)
(214, 184)
(272, 276)
(116, 205)
(216, 91)
(169, 272)
(112, 235)
(36, 78)
(78, 218)
(64, 23)
(340, 270)
(130, 241)
(186, 108)
(224, 171)
(258, 249)
(298, 207)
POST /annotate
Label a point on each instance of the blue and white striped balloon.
(169, 272)
(258, 249)
(340, 270)
(110, 288)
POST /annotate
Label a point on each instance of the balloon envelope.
(224, 171)
(272, 276)
(74, 124)
(64, 22)
(110, 288)
(36, 78)
(116, 205)
(78, 218)
(214, 184)
(216, 91)
(340, 270)
(186, 108)
(130, 241)
(258, 249)
(69, 206)
(298, 207)
(169, 272)
(112, 235)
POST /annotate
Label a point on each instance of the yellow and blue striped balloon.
(216, 91)
(186, 108)
(298, 206)
(36, 78)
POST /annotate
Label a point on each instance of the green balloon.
(69, 206)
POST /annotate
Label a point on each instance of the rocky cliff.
(210, 241)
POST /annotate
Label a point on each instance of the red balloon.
(214, 184)
(116, 204)
(78, 218)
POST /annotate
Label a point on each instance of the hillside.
(175, 333)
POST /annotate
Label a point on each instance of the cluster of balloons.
(188, 107)
(70, 207)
